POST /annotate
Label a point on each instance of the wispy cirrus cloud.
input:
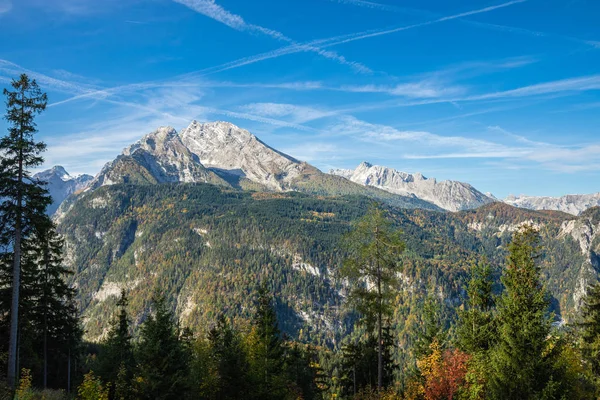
(577, 84)
(569, 159)
(419, 89)
(320, 44)
(211, 9)
(484, 25)
(298, 114)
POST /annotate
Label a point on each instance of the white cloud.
(578, 84)
(422, 89)
(298, 114)
(426, 145)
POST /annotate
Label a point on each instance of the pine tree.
(589, 328)
(116, 361)
(229, 361)
(163, 357)
(431, 329)
(475, 331)
(54, 310)
(23, 199)
(371, 270)
(265, 348)
(522, 361)
(302, 371)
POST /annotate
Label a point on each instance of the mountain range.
(208, 213)
(449, 195)
(226, 155)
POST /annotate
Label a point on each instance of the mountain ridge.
(61, 184)
(448, 195)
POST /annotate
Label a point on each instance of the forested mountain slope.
(208, 247)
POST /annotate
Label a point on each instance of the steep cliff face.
(159, 157)
(224, 146)
(449, 195)
(585, 232)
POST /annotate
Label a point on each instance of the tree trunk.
(14, 310)
(16, 281)
(69, 371)
(380, 354)
(379, 317)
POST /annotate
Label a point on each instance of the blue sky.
(504, 95)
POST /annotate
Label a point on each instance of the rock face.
(225, 147)
(449, 195)
(159, 157)
(573, 204)
(224, 154)
(585, 231)
(61, 185)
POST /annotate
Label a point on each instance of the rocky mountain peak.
(449, 195)
(226, 147)
(61, 184)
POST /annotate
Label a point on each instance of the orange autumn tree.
(443, 372)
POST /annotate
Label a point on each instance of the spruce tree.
(430, 330)
(521, 360)
(53, 301)
(163, 357)
(589, 329)
(116, 361)
(371, 270)
(229, 361)
(475, 331)
(266, 350)
(22, 199)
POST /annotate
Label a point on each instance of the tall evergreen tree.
(266, 350)
(229, 361)
(589, 328)
(522, 361)
(163, 357)
(371, 269)
(430, 330)
(116, 361)
(54, 310)
(23, 200)
(475, 331)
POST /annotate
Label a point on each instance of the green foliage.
(163, 357)
(92, 388)
(372, 269)
(265, 351)
(117, 350)
(35, 299)
(475, 327)
(589, 329)
(359, 363)
(23, 201)
(523, 358)
(228, 362)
